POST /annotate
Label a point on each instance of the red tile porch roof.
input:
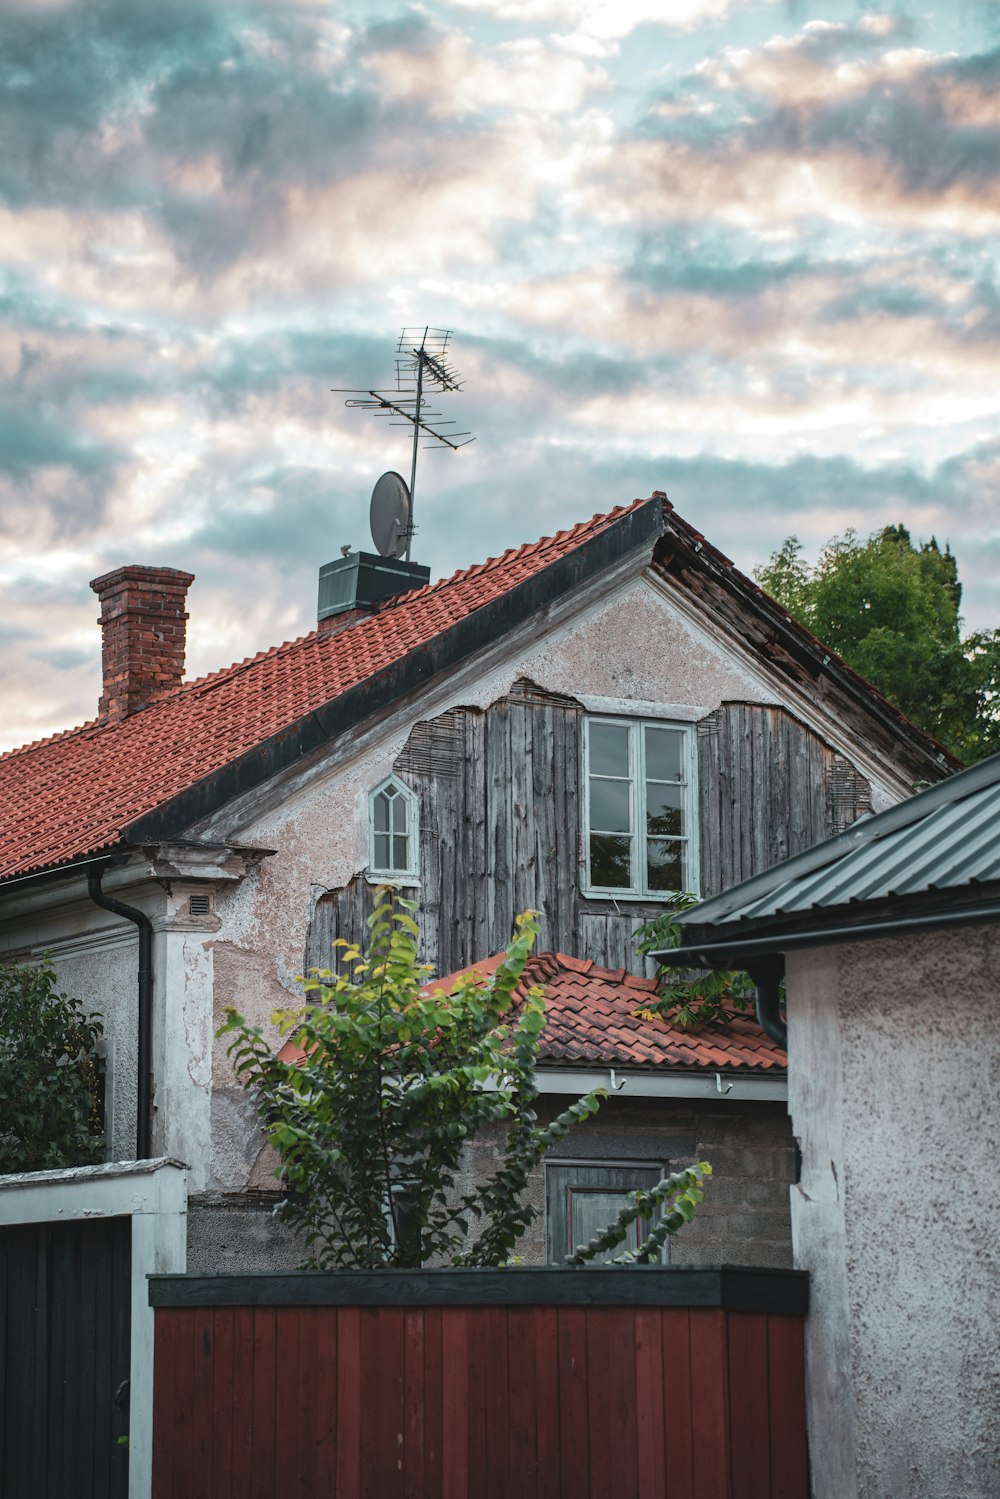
(594, 1019)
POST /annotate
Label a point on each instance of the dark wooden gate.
(65, 1296)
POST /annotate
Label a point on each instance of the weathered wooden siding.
(767, 788)
(501, 824)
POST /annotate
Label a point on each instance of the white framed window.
(640, 824)
(392, 832)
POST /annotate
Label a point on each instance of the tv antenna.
(421, 365)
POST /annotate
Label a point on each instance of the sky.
(743, 251)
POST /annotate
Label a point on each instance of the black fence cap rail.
(731, 1287)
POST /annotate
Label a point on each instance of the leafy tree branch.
(891, 609)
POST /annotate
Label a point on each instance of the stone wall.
(238, 1233)
(744, 1219)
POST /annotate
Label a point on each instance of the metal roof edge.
(866, 830)
(741, 943)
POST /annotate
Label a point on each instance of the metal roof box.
(361, 580)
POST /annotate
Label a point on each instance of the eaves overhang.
(711, 1085)
(743, 944)
(634, 531)
(683, 550)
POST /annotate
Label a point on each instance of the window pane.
(380, 812)
(664, 814)
(664, 755)
(664, 864)
(382, 851)
(399, 853)
(610, 806)
(592, 1211)
(610, 861)
(399, 814)
(608, 749)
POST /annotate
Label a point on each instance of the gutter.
(143, 1106)
(763, 957)
(711, 1085)
(740, 952)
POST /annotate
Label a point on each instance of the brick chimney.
(142, 622)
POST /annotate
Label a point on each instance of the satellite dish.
(389, 515)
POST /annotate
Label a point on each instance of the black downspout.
(143, 1149)
(767, 975)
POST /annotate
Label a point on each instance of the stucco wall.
(894, 1059)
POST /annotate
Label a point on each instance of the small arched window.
(392, 831)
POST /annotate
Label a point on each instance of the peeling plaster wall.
(635, 646)
(894, 1056)
(182, 1051)
(630, 647)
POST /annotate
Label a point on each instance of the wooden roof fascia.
(682, 557)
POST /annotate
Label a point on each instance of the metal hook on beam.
(718, 1083)
(616, 1087)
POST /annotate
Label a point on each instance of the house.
(675, 1096)
(888, 937)
(582, 726)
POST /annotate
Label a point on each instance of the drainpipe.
(143, 1150)
(767, 975)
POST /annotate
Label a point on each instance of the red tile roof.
(593, 1019)
(76, 793)
(79, 793)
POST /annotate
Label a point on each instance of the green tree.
(891, 609)
(50, 1104)
(371, 1124)
(691, 1000)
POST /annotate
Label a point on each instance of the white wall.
(894, 1064)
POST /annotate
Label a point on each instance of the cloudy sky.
(741, 250)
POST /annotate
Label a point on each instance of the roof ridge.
(490, 564)
(226, 673)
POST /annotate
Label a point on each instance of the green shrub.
(50, 1096)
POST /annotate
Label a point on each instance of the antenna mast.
(421, 361)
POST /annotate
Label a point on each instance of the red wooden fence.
(575, 1395)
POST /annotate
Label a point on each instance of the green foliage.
(891, 609)
(50, 1108)
(371, 1126)
(682, 1192)
(691, 1000)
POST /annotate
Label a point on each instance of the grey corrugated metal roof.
(945, 838)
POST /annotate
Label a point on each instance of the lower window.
(582, 1198)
